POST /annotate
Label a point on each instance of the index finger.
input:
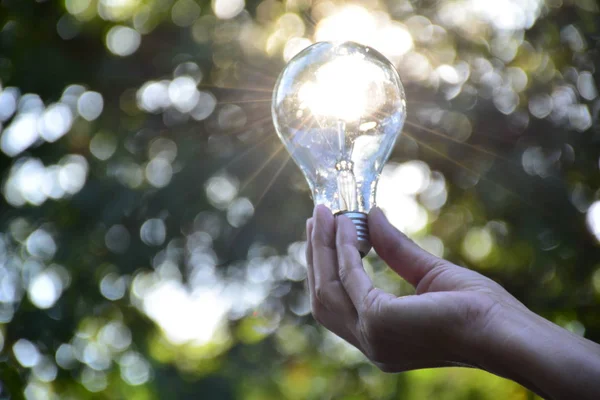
(355, 280)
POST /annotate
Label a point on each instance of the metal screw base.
(361, 223)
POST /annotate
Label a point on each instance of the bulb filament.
(346, 180)
(346, 185)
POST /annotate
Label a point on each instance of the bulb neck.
(361, 222)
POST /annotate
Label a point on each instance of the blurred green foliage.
(151, 241)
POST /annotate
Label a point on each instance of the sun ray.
(286, 160)
(240, 88)
(262, 140)
(263, 194)
(496, 138)
(412, 101)
(471, 170)
(280, 147)
(254, 175)
(469, 145)
(245, 101)
(255, 70)
(249, 125)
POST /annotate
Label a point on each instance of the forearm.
(540, 355)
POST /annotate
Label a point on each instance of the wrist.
(549, 360)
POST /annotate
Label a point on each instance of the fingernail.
(320, 209)
(309, 223)
(376, 211)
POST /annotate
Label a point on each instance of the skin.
(457, 317)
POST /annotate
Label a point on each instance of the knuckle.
(438, 268)
(321, 294)
(372, 301)
(343, 274)
(370, 316)
(371, 328)
(472, 314)
(480, 315)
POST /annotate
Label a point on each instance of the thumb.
(402, 254)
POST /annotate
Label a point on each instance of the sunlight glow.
(26, 353)
(45, 289)
(135, 370)
(45, 371)
(153, 232)
(376, 30)
(117, 10)
(227, 9)
(41, 244)
(183, 93)
(90, 105)
(478, 244)
(20, 134)
(294, 46)
(343, 88)
(159, 172)
(8, 102)
(77, 6)
(349, 23)
(73, 174)
(397, 189)
(154, 96)
(55, 122)
(113, 286)
(221, 190)
(207, 103)
(29, 181)
(123, 41)
(185, 316)
(239, 212)
(593, 220)
(94, 381)
(501, 14)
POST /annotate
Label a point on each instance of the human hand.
(457, 316)
(429, 329)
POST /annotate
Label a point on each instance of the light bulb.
(338, 108)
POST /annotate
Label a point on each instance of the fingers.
(355, 280)
(336, 319)
(328, 288)
(399, 252)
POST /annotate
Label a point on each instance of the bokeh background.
(152, 227)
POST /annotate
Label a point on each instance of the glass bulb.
(338, 108)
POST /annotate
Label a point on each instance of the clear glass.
(338, 108)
